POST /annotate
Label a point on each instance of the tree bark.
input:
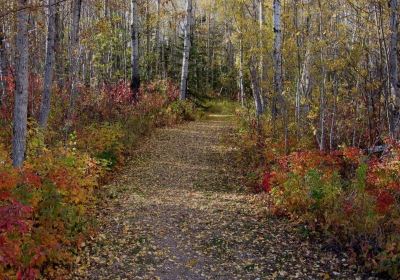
(59, 60)
(393, 68)
(255, 85)
(74, 58)
(3, 67)
(158, 39)
(278, 80)
(260, 15)
(49, 66)
(322, 103)
(135, 78)
(21, 86)
(186, 51)
(241, 76)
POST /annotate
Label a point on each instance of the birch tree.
(186, 51)
(393, 67)
(21, 85)
(254, 65)
(3, 67)
(241, 75)
(277, 59)
(74, 53)
(157, 48)
(255, 86)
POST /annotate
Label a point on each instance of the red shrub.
(384, 201)
(266, 183)
(15, 218)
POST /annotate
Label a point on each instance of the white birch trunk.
(186, 51)
(393, 67)
(278, 81)
(3, 67)
(158, 38)
(241, 76)
(260, 5)
(255, 85)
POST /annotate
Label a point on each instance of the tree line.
(70, 56)
(316, 71)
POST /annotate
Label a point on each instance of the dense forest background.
(316, 85)
(330, 69)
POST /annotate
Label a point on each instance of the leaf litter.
(179, 211)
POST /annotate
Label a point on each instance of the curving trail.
(178, 212)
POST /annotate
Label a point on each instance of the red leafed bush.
(266, 183)
(35, 87)
(16, 223)
(6, 109)
(120, 93)
(15, 218)
(35, 209)
(345, 193)
(43, 205)
(30, 178)
(384, 201)
(352, 154)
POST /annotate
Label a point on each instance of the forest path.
(178, 212)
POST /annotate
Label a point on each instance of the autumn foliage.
(350, 196)
(45, 206)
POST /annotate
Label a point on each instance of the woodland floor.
(178, 212)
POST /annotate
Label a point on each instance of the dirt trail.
(178, 212)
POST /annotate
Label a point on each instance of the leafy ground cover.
(350, 196)
(179, 211)
(45, 207)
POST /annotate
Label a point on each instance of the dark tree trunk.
(49, 65)
(21, 86)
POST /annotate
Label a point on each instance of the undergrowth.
(350, 197)
(45, 206)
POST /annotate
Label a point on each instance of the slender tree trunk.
(241, 76)
(333, 120)
(125, 38)
(383, 65)
(163, 57)
(158, 41)
(278, 79)
(74, 54)
(298, 44)
(49, 65)
(106, 9)
(59, 61)
(209, 85)
(3, 67)
(322, 85)
(393, 68)
(260, 4)
(21, 87)
(255, 85)
(255, 73)
(135, 79)
(149, 67)
(186, 51)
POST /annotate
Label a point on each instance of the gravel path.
(178, 212)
